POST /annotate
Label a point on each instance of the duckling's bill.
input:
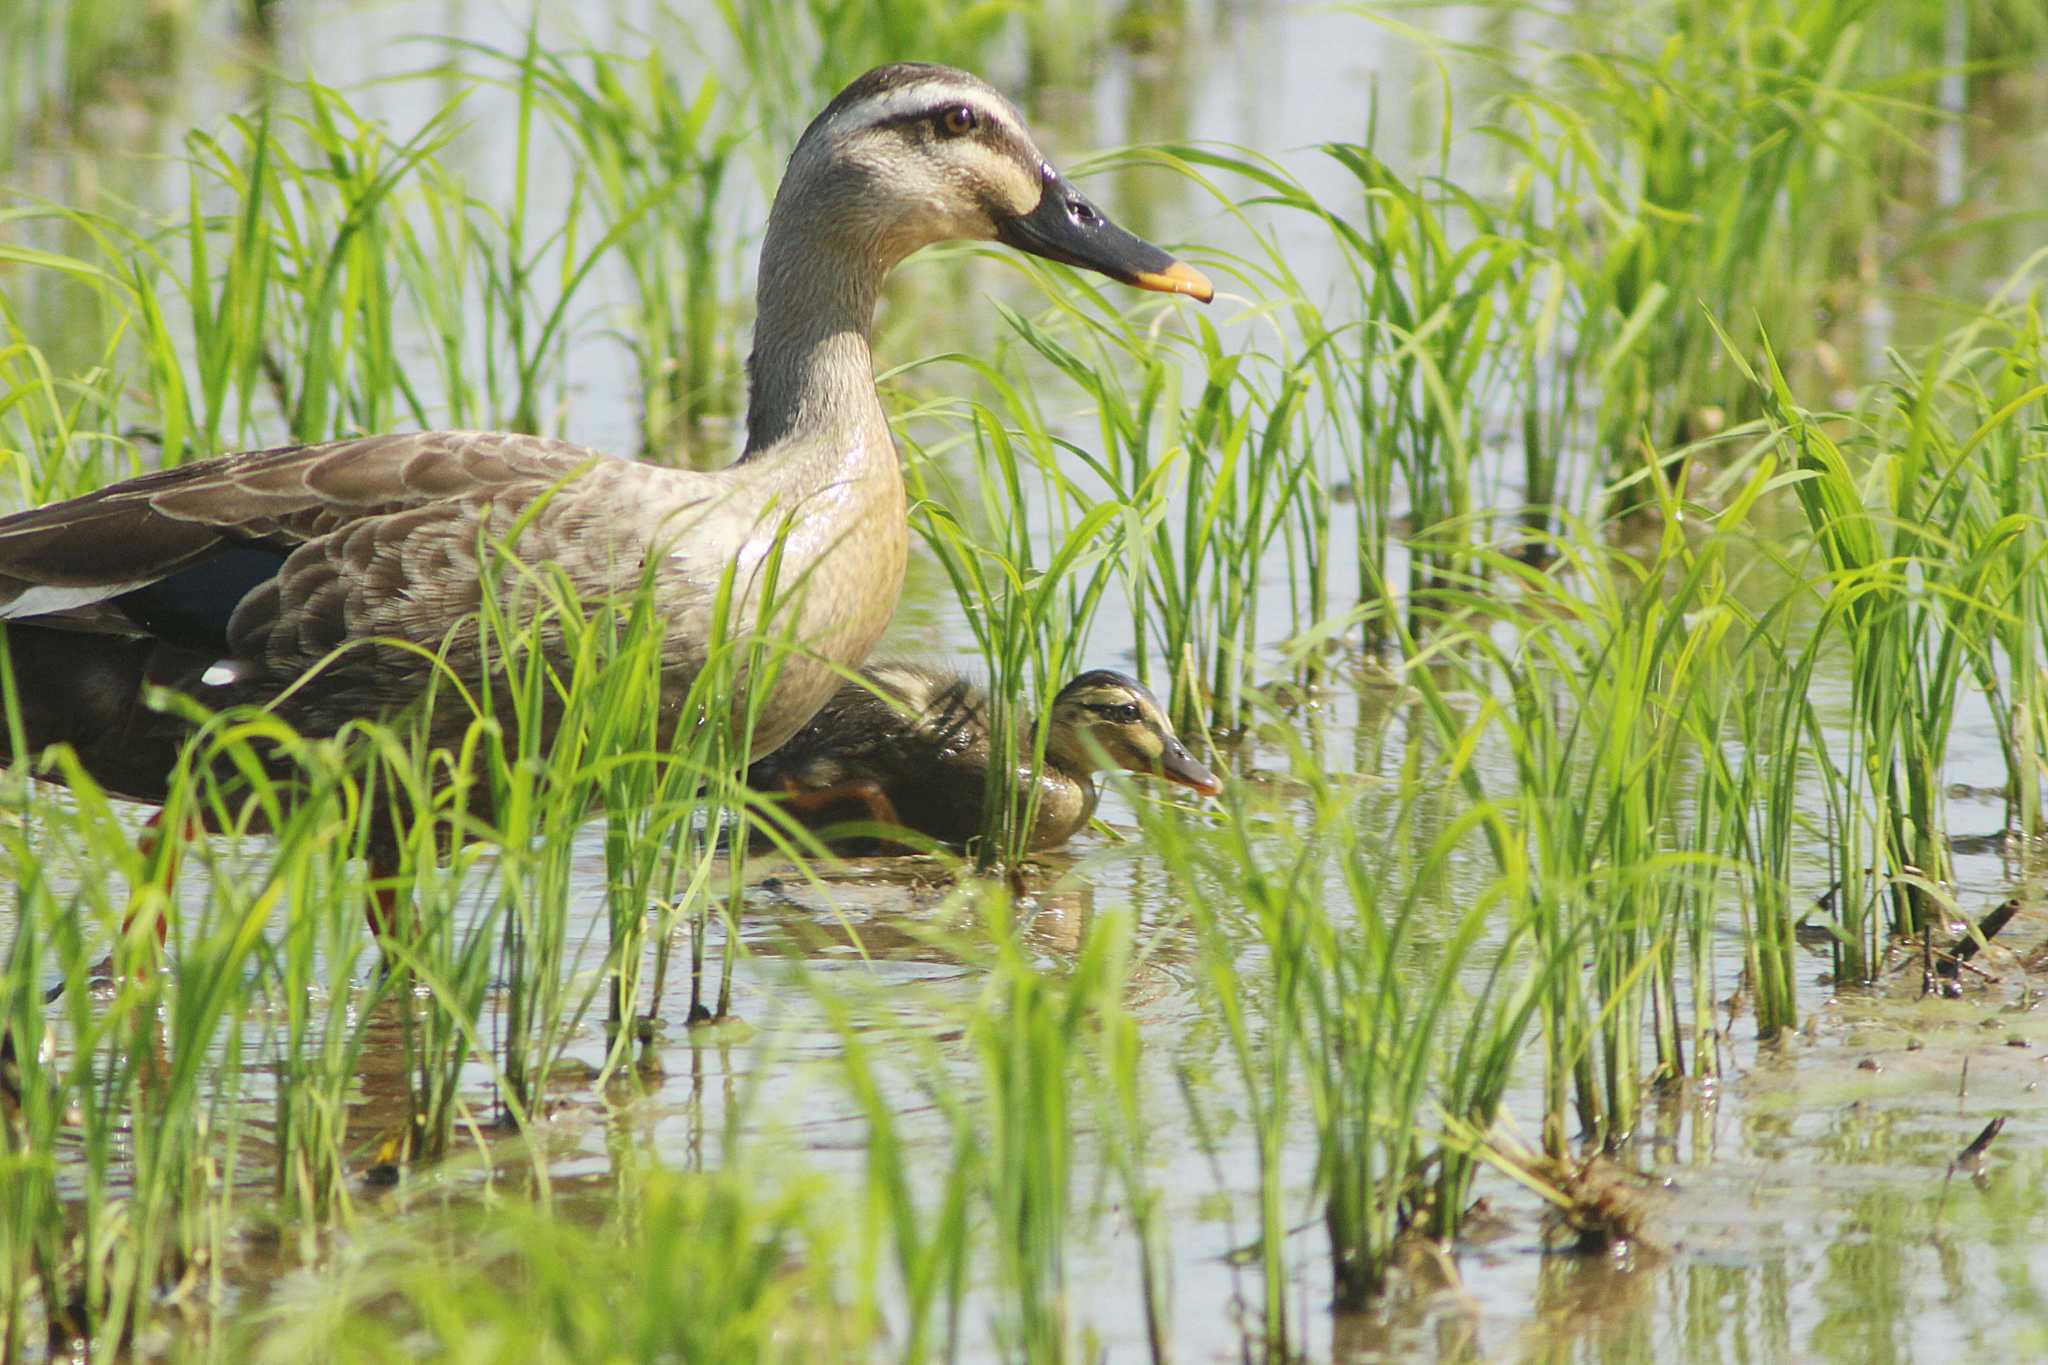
(1067, 228)
(1177, 765)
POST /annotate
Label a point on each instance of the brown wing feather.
(143, 529)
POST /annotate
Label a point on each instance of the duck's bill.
(1177, 765)
(1066, 228)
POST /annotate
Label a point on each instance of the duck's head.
(911, 154)
(1109, 715)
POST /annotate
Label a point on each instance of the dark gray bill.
(1176, 764)
(1066, 228)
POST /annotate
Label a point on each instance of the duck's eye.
(958, 121)
(1125, 713)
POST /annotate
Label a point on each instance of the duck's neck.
(1067, 760)
(811, 378)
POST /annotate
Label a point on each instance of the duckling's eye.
(1124, 713)
(958, 121)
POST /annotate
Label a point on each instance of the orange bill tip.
(1178, 278)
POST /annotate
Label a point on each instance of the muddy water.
(1802, 1207)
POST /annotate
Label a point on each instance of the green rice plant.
(1029, 618)
(295, 320)
(928, 1235)
(1341, 960)
(72, 1262)
(1772, 714)
(292, 309)
(1914, 544)
(543, 660)
(157, 1122)
(1443, 288)
(1248, 902)
(730, 1265)
(1238, 458)
(315, 1040)
(57, 432)
(312, 235)
(655, 158)
(1043, 1055)
(1966, 416)
(176, 1098)
(1268, 496)
(1241, 458)
(299, 317)
(2006, 409)
(1711, 162)
(598, 676)
(1024, 1040)
(1612, 683)
(1123, 1118)
(1438, 289)
(661, 764)
(141, 1092)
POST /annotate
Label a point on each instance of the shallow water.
(1800, 1207)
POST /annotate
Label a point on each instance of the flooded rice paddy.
(1791, 1194)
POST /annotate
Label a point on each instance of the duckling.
(909, 746)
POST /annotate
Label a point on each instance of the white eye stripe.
(927, 98)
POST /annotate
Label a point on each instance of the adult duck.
(909, 747)
(320, 581)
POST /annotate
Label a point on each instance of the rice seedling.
(1912, 543)
(1251, 907)
(147, 1087)
(700, 1266)
(1029, 618)
(1245, 448)
(1042, 1074)
(1429, 359)
(1616, 682)
(656, 157)
(1354, 966)
(1122, 1110)
(1703, 159)
(1025, 1047)
(1237, 459)
(176, 1096)
(923, 1221)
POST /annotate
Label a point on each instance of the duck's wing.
(174, 552)
(231, 578)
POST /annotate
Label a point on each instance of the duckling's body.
(910, 746)
(320, 581)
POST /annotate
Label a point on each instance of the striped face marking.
(1108, 716)
(944, 136)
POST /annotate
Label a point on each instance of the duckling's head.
(1109, 715)
(911, 154)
